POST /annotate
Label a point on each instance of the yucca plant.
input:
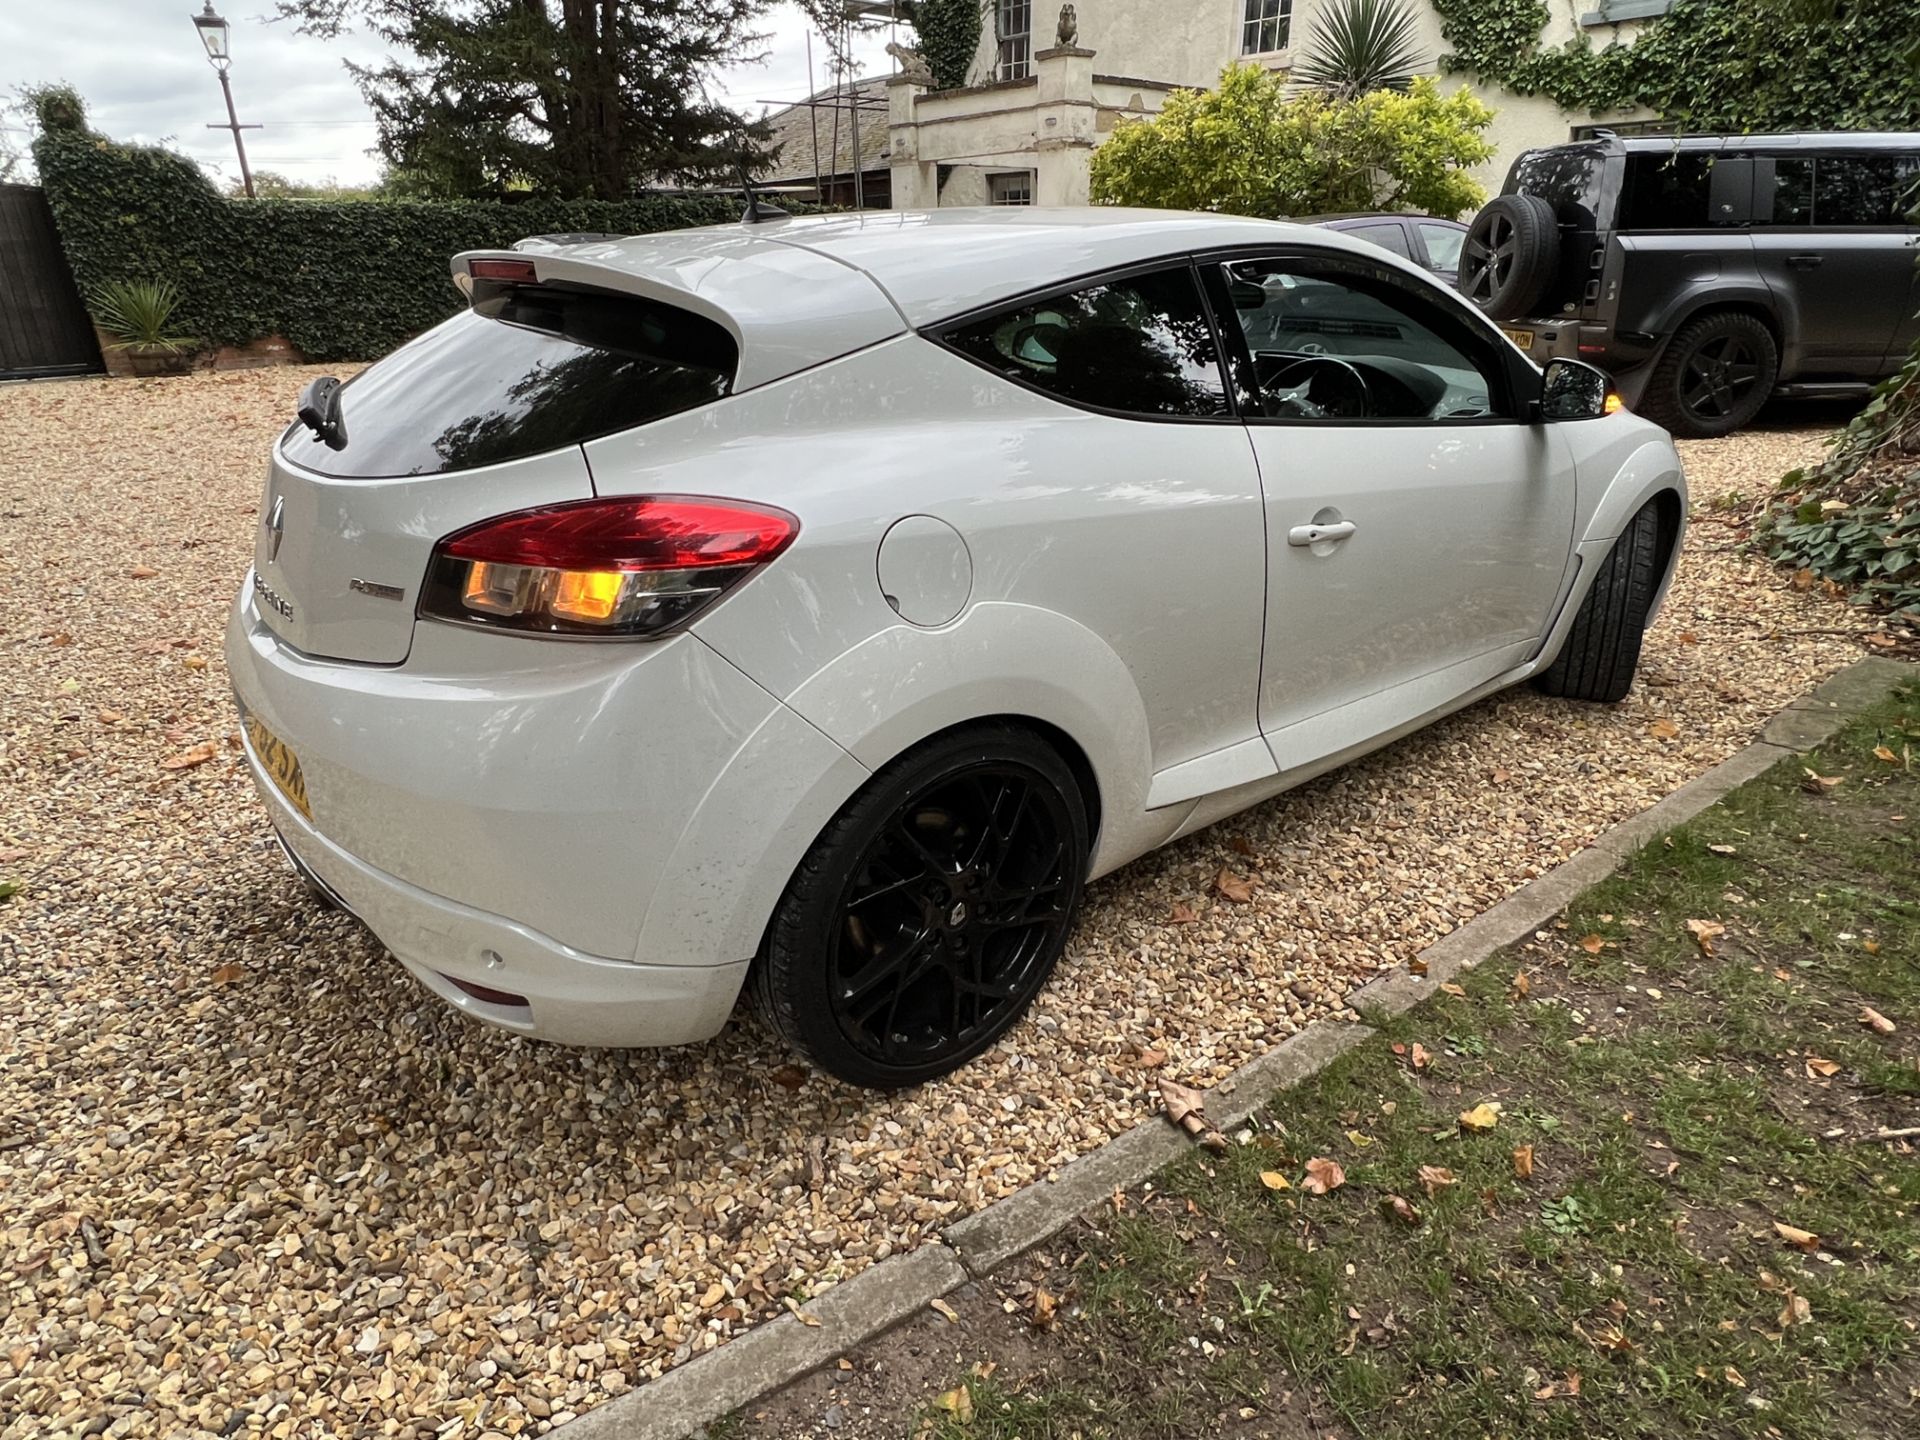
(1358, 46)
(139, 314)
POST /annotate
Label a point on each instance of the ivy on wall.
(949, 33)
(342, 280)
(1702, 66)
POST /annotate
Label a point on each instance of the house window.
(1013, 188)
(1013, 23)
(1267, 26)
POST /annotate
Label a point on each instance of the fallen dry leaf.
(1796, 1311)
(1706, 932)
(952, 1315)
(1523, 1162)
(1593, 944)
(957, 1402)
(1818, 1069)
(1663, 729)
(227, 974)
(1482, 1117)
(1040, 1316)
(1401, 1209)
(1417, 965)
(1421, 1057)
(1874, 1020)
(142, 572)
(1521, 985)
(789, 1077)
(1872, 947)
(1233, 887)
(1274, 1180)
(1151, 1059)
(1186, 1107)
(1881, 752)
(1796, 1237)
(187, 759)
(1815, 784)
(1452, 989)
(1323, 1175)
(1183, 914)
(1723, 850)
(1435, 1178)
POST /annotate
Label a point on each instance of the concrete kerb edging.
(780, 1351)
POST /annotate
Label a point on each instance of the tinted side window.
(1792, 190)
(1141, 345)
(1667, 192)
(1855, 190)
(1342, 341)
(528, 369)
(1387, 237)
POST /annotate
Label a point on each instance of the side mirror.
(1573, 390)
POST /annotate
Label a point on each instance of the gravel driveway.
(246, 1165)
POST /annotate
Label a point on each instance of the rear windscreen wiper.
(319, 411)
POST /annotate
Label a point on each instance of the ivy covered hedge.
(342, 280)
(1700, 67)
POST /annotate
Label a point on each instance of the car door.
(1419, 526)
(1839, 253)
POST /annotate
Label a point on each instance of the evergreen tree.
(577, 98)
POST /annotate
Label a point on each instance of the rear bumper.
(572, 998)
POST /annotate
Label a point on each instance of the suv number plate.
(1522, 338)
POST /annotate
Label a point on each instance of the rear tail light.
(640, 566)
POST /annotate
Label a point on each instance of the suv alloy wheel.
(1714, 375)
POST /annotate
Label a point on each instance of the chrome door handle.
(1304, 535)
(1805, 262)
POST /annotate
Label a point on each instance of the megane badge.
(276, 526)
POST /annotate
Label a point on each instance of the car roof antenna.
(757, 209)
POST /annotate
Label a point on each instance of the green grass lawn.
(1685, 1092)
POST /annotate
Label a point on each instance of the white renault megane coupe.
(815, 606)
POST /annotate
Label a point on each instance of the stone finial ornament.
(913, 65)
(1069, 32)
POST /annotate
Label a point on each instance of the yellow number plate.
(1522, 338)
(279, 761)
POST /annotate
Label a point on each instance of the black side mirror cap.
(1573, 390)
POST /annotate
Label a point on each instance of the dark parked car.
(1422, 239)
(1707, 272)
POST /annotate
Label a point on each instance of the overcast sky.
(145, 77)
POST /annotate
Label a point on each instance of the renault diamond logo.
(276, 526)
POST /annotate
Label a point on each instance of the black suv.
(1707, 272)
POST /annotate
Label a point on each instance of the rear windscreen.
(1567, 177)
(530, 368)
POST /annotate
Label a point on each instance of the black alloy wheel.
(1714, 375)
(931, 912)
(1490, 260)
(1510, 256)
(1718, 377)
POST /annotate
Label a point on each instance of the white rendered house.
(1046, 87)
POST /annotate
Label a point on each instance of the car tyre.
(1510, 256)
(1602, 650)
(926, 917)
(1713, 377)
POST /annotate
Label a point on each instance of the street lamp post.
(214, 35)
